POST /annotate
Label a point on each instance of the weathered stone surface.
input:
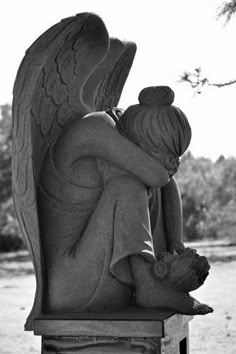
(155, 331)
(94, 190)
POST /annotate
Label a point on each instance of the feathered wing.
(47, 93)
(71, 70)
(108, 80)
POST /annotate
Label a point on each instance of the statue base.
(134, 330)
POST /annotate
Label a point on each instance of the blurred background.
(188, 45)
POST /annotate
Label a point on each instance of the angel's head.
(158, 127)
(185, 272)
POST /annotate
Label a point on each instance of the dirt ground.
(211, 334)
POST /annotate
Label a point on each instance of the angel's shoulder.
(99, 119)
(81, 136)
(88, 124)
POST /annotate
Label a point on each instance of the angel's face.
(170, 162)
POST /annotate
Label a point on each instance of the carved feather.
(72, 69)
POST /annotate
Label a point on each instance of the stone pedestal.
(133, 330)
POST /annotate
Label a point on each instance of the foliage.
(5, 152)
(208, 192)
(227, 10)
(10, 237)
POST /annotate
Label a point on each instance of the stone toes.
(203, 309)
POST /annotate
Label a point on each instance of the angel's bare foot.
(201, 309)
(153, 293)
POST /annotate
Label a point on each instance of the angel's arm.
(173, 216)
(95, 136)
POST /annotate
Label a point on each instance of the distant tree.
(208, 192)
(227, 10)
(5, 152)
(10, 238)
(225, 191)
(195, 181)
(195, 78)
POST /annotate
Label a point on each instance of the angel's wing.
(108, 80)
(72, 69)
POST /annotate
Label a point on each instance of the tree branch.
(197, 81)
(227, 10)
(228, 83)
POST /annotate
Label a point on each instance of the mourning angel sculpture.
(93, 185)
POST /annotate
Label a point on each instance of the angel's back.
(66, 199)
(65, 204)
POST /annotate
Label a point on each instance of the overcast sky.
(172, 36)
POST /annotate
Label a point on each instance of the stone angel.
(93, 185)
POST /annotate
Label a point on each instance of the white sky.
(172, 36)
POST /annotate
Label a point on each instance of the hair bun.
(156, 96)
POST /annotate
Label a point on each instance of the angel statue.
(93, 185)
